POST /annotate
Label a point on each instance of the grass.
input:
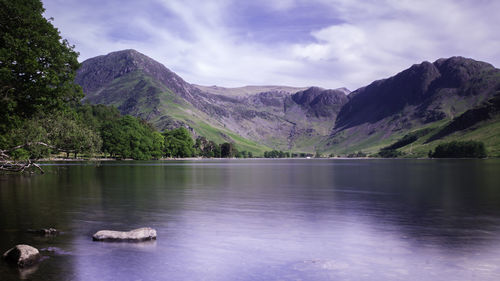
(487, 132)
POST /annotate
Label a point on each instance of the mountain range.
(454, 98)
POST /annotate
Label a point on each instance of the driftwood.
(19, 167)
(9, 165)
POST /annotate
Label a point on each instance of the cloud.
(379, 41)
(328, 43)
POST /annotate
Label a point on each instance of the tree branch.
(28, 144)
(6, 164)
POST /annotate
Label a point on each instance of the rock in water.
(44, 231)
(22, 255)
(136, 235)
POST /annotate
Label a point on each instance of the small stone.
(136, 235)
(22, 255)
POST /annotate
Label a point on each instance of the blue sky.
(326, 43)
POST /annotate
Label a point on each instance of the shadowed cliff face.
(427, 95)
(300, 119)
(427, 86)
(321, 103)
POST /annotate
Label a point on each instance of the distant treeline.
(285, 154)
(459, 149)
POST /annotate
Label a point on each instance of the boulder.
(136, 235)
(22, 255)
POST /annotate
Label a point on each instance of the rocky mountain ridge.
(305, 119)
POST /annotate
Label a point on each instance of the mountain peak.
(429, 84)
(95, 73)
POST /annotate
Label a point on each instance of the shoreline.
(255, 158)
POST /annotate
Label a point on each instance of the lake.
(256, 219)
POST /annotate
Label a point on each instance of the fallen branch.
(19, 167)
(8, 165)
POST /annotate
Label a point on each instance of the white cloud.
(383, 40)
(375, 39)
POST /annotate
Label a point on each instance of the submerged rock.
(44, 231)
(22, 255)
(136, 235)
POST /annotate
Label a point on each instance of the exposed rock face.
(136, 235)
(22, 255)
(319, 102)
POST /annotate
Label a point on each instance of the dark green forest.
(459, 149)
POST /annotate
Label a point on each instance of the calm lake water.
(260, 220)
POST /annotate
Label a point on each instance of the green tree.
(37, 67)
(217, 151)
(178, 143)
(71, 136)
(460, 149)
(158, 145)
(128, 137)
(227, 150)
(390, 153)
(33, 134)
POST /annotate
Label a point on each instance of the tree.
(37, 67)
(178, 143)
(71, 136)
(227, 150)
(158, 145)
(32, 139)
(276, 154)
(128, 137)
(389, 153)
(460, 149)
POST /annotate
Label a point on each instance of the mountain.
(428, 103)
(427, 95)
(256, 118)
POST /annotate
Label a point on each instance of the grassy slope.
(487, 132)
(169, 104)
(358, 140)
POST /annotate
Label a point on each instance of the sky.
(325, 43)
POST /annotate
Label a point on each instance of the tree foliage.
(71, 135)
(277, 154)
(128, 137)
(61, 132)
(206, 148)
(178, 143)
(37, 67)
(390, 153)
(227, 150)
(460, 149)
(359, 154)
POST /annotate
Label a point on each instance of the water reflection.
(263, 219)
